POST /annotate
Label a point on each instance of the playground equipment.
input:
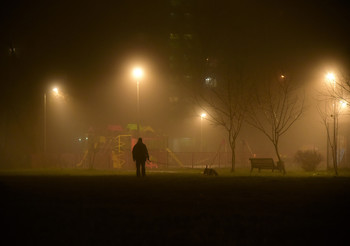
(248, 147)
(90, 152)
(106, 149)
(172, 155)
(118, 150)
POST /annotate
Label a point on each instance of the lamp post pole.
(202, 117)
(327, 125)
(56, 92)
(331, 78)
(45, 123)
(138, 73)
(335, 136)
(138, 107)
(327, 135)
(201, 146)
(335, 131)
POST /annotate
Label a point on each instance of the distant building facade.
(188, 65)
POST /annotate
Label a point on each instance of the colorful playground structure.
(113, 151)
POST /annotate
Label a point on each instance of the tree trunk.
(335, 160)
(335, 143)
(233, 158)
(280, 161)
(232, 141)
(332, 142)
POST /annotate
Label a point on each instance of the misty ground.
(173, 207)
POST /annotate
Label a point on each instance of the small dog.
(210, 171)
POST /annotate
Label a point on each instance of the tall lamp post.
(330, 77)
(55, 91)
(137, 74)
(203, 115)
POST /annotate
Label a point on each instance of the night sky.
(87, 44)
(84, 40)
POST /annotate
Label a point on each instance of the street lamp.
(138, 74)
(203, 115)
(343, 104)
(330, 78)
(55, 91)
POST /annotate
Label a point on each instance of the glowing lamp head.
(343, 104)
(137, 73)
(330, 77)
(203, 115)
(55, 90)
(282, 76)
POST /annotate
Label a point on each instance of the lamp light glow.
(343, 104)
(137, 73)
(55, 90)
(330, 77)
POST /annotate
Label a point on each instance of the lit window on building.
(188, 36)
(12, 50)
(174, 36)
(210, 82)
(188, 77)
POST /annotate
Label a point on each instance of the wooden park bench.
(263, 163)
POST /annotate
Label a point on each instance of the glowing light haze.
(137, 73)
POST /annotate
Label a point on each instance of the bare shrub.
(308, 159)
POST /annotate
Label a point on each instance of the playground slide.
(174, 157)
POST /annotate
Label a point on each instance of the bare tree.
(337, 87)
(225, 106)
(335, 96)
(275, 109)
(332, 135)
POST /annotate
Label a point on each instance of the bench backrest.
(262, 162)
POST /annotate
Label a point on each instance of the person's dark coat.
(140, 152)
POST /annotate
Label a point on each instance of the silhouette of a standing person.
(140, 155)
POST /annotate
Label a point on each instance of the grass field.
(172, 207)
